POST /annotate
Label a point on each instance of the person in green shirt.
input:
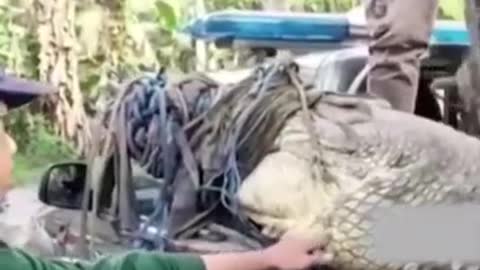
(291, 252)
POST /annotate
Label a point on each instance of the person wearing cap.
(19, 211)
(291, 252)
(400, 32)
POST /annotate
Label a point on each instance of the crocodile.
(370, 156)
(329, 157)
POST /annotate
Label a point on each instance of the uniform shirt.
(14, 259)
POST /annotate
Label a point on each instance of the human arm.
(290, 253)
(14, 259)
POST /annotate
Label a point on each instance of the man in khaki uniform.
(400, 32)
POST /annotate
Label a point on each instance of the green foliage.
(452, 9)
(121, 41)
(328, 5)
(234, 4)
(29, 165)
(38, 147)
(166, 15)
(17, 45)
(33, 134)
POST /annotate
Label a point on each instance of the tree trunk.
(201, 47)
(59, 66)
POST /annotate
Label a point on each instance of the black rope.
(152, 120)
(154, 116)
(151, 113)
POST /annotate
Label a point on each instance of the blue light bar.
(311, 28)
(450, 33)
(274, 26)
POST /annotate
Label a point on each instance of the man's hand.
(294, 252)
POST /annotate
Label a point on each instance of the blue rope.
(152, 120)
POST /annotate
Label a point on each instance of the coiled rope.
(152, 110)
(150, 117)
(158, 115)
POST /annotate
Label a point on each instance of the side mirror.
(63, 185)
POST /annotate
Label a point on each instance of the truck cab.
(332, 50)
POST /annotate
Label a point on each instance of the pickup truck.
(331, 50)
